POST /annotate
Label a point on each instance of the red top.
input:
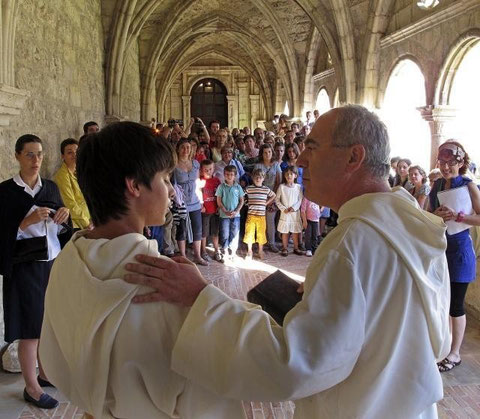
(209, 198)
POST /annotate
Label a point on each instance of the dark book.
(277, 294)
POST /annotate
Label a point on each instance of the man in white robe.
(373, 321)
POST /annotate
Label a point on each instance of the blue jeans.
(229, 233)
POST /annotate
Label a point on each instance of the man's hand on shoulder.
(176, 280)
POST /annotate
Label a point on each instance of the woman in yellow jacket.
(66, 180)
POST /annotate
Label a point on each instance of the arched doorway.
(209, 101)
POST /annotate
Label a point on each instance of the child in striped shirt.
(259, 196)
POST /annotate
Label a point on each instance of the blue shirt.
(230, 197)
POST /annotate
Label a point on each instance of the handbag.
(277, 294)
(30, 250)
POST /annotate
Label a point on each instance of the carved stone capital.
(12, 101)
(438, 113)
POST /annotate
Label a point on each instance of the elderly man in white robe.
(373, 321)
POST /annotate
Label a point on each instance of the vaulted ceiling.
(274, 41)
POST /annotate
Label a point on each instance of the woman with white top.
(31, 215)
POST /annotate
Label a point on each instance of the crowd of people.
(235, 187)
(226, 187)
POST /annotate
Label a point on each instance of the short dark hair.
(88, 124)
(230, 168)
(106, 158)
(64, 143)
(214, 121)
(206, 162)
(24, 139)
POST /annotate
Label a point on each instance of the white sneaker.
(308, 253)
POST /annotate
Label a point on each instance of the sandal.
(447, 365)
(202, 262)
(284, 252)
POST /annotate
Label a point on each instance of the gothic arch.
(453, 60)
(376, 27)
(319, 16)
(251, 45)
(384, 82)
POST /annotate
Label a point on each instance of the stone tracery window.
(409, 133)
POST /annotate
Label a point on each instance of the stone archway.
(209, 101)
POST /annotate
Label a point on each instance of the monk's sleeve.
(237, 350)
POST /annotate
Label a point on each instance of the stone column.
(243, 103)
(438, 118)
(12, 100)
(232, 111)
(186, 109)
(254, 110)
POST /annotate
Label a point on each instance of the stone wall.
(59, 59)
(130, 86)
(59, 54)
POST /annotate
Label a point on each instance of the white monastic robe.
(108, 356)
(363, 342)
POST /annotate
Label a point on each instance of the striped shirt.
(257, 198)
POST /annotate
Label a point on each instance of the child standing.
(288, 200)
(259, 196)
(310, 213)
(229, 200)
(210, 220)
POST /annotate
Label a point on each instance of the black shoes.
(45, 401)
(44, 383)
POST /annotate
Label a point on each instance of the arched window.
(409, 133)
(464, 95)
(286, 109)
(323, 101)
(209, 101)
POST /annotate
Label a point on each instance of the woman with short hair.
(31, 217)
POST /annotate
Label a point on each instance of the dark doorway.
(209, 101)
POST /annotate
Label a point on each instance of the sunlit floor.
(462, 385)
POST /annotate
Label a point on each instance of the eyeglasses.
(449, 163)
(30, 155)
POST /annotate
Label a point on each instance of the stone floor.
(462, 386)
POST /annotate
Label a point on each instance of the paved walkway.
(462, 385)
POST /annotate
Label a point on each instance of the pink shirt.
(311, 210)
